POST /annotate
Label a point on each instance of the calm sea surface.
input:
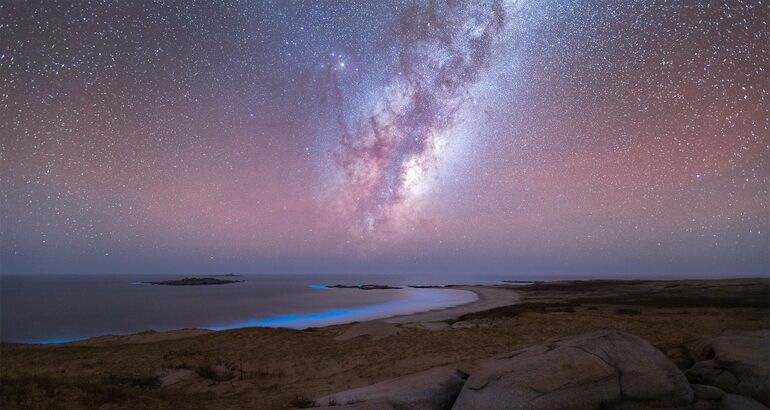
(59, 308)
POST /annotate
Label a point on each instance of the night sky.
(532, 138)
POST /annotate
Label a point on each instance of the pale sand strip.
(489, 297)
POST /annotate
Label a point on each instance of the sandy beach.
(488, 297)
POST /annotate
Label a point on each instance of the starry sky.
(533, 137)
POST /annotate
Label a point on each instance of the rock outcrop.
(606, 369)
(583, 372)
(706, 392)
(736, 402)
(736, 362)
(434, 389)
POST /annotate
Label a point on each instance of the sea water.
(61, 308)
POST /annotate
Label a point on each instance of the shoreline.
(486, 297)
(421, 302)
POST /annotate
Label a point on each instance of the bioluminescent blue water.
(419, 300)
(65, 308)
(57, 341)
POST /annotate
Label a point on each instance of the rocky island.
(194, 282)
(362, 287)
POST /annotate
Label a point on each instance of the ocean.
(62, 308)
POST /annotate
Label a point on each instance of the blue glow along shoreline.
(419, 300)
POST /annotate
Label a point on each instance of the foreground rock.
(736, 362)
(706, 392)
(433, 389)
(584, 372)
(736, 402)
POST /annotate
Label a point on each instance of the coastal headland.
(687, 333)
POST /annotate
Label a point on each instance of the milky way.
(539, 137)
(388, 157)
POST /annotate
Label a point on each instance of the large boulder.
(736, 402)
(736, 362)
(584, 372)
(706, 392)
(432, 389)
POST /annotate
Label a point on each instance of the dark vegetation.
(515, 310)
(55, 392)
(676, 294)
(625, 295)
(143, 382)
(578, 285)
(302, 402)
(756, 299)
(631, 312)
